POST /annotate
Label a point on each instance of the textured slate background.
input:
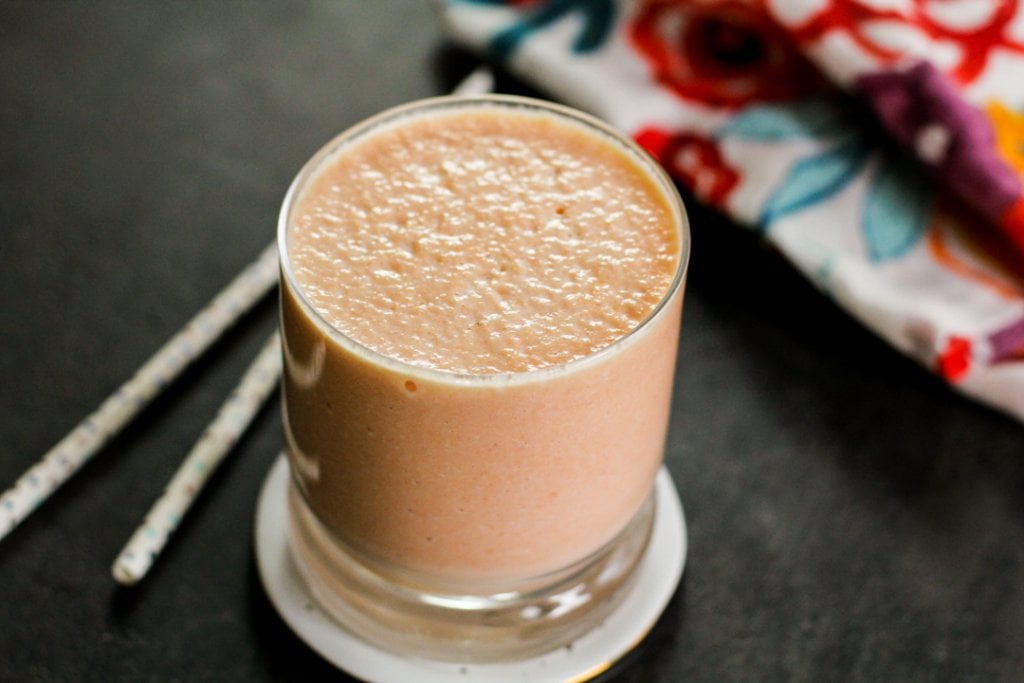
(850, 518)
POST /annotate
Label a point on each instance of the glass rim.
(450, 102)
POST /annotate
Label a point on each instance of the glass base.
(539, 617)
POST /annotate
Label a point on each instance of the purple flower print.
(923, 110)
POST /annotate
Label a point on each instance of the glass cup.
(472, 517)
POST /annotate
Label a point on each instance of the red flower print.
(940, 23)
(1013, 223)
(694, 160)
(955, 361)
(720, 52)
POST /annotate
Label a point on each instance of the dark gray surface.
(850, 518)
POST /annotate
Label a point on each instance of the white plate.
(659, 572)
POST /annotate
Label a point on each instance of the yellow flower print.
(1009, 127)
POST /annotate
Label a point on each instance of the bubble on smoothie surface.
(483, 242)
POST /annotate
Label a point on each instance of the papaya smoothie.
(480, 307)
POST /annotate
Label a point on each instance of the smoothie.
(480, 309)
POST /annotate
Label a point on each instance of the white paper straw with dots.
(62, 461)
(209, 451)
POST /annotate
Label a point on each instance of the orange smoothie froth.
(480, 308)
(483, 242)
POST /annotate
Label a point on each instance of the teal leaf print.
(811, 117)
(598, 18)
(896, 208)
(815, 179)
(600, 15)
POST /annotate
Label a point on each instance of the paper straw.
(478, 82)
(62, 461)
(213, 446)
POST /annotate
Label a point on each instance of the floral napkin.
(878, 144)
